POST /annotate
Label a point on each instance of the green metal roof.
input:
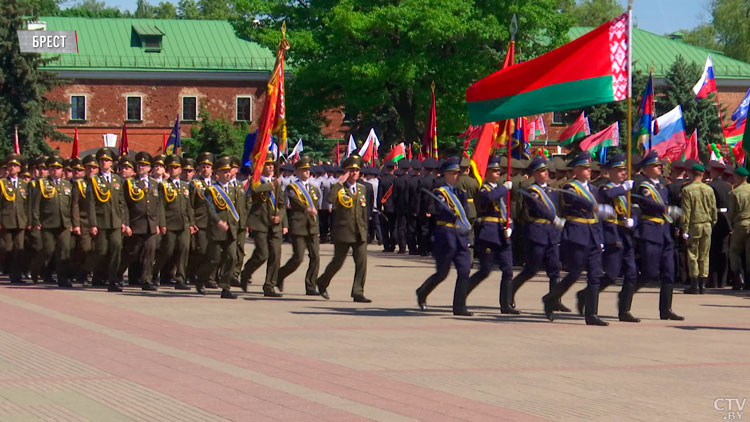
(659, 52)
(187, 45)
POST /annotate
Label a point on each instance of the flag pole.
(653, 108)
(721, 120)
(630, 100)
(509, 141)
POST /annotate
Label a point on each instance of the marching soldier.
(679, 181)
(699, 215)
(180, 223)
(223, 222)
(84, 242)
(14, 219)
(146, 222)
(267, 223)
(717, 256)
(349, 229)
(50, 215)
(739, 215)
(108, 217)
(452, 230)
(469, 185)
(302, 215)
(401, 191)
(582, 240)
(414, 194)
(656, 247)
(199, 252)
(387, 205)
(33, 241)
(426, 208)
(492, 238)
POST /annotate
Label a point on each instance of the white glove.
(508, 232)
(508, 185)
(629, 223)
(685, 236)
(674, 212)
(628, 184)
(723, 210)
(605, 211)
(559, 223)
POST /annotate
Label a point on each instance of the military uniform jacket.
(266, 201)
(447, 218)
(739, 206)
(721, 194)
(401, 191)
(51, 204)
(145, 206)
(698, 206)
(427, 204)
(14, 204)
(541, 210)
(653, 199)
(414, 194)
(79, 211)
(615, 232)
(470, 186)
(220, 210)
(386, 187)
(198, 201)
(300, 222)
(349, 213)
(107, 207)
(582, 226)
(492, 213)
(178, 207)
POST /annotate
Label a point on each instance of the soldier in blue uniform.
(542, 230)
(656, 247)
(618, 258)
(493, 244)
(582, 240)
(452, 234)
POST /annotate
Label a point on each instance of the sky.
(657, 16)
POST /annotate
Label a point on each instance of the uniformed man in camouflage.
(699, 215)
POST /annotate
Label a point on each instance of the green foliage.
(375, 60)
(701, 115)
(188, 9)
(703, 36)
(165, 10)
(731, 18)
(22, 87)
(93, 9)
(591, 12)
(143, 10)
(216, 135)
(41, 7)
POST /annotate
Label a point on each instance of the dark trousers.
(108, 249)
(374, 230)
(140, 249)
(581, 258)
(220, 256)
(299, 245)
(401, 231)
(619, 261)
(268, 251)
(198, 255)
(173, 250)
(340, 250)
(538, 256)
(489, 255)
(32, 248)
(460, 257)
(657, 263)
(324, 224)
(717, 257)
(55, 245)
(388, 224)
(424, 234)
(13, 245)
(412, 234)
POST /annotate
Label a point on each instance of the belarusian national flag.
(609, 137)
(733, 135)
(592, 69)
(578, 130)
(397, 153)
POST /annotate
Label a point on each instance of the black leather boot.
(665, 305)
(625, 299)
(592, 308)
(581, 301)
(506, 296)
(693, 289)
(701, 284)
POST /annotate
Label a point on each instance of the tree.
(703, 36)
(23, 86)
(701, 114)
(188, 9)
(216, 135)
(591, 12)
(165, 10)
(93, 9)
(731, 18)
(143, 9)
(42, 7)
(376, 60)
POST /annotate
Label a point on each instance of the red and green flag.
(609, 137)
(578, 130)
(733, 134)
(592, 69)
(398, 152)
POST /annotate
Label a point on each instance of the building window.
(134, 108)
(77, 107)
(190, 108)
(244, 109)
(557, 117)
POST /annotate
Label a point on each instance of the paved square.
(89, 355)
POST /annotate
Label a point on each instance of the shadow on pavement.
(708, 327)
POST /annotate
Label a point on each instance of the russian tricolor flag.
(707, 83)
(671, 132)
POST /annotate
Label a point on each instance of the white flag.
(351, 147)
(371, 137)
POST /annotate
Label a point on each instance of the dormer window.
(150, 37)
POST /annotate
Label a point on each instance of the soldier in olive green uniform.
(266, 220)
(303, 198)
(146, 223)
(51, 215)
(469, 185)
(349, 229)
(13, 217)
(700, 214)
(178, 213)
(108, 217)
(82, 253)
(739, 217)
(199, 247)
(33, 240)
(223, 224)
